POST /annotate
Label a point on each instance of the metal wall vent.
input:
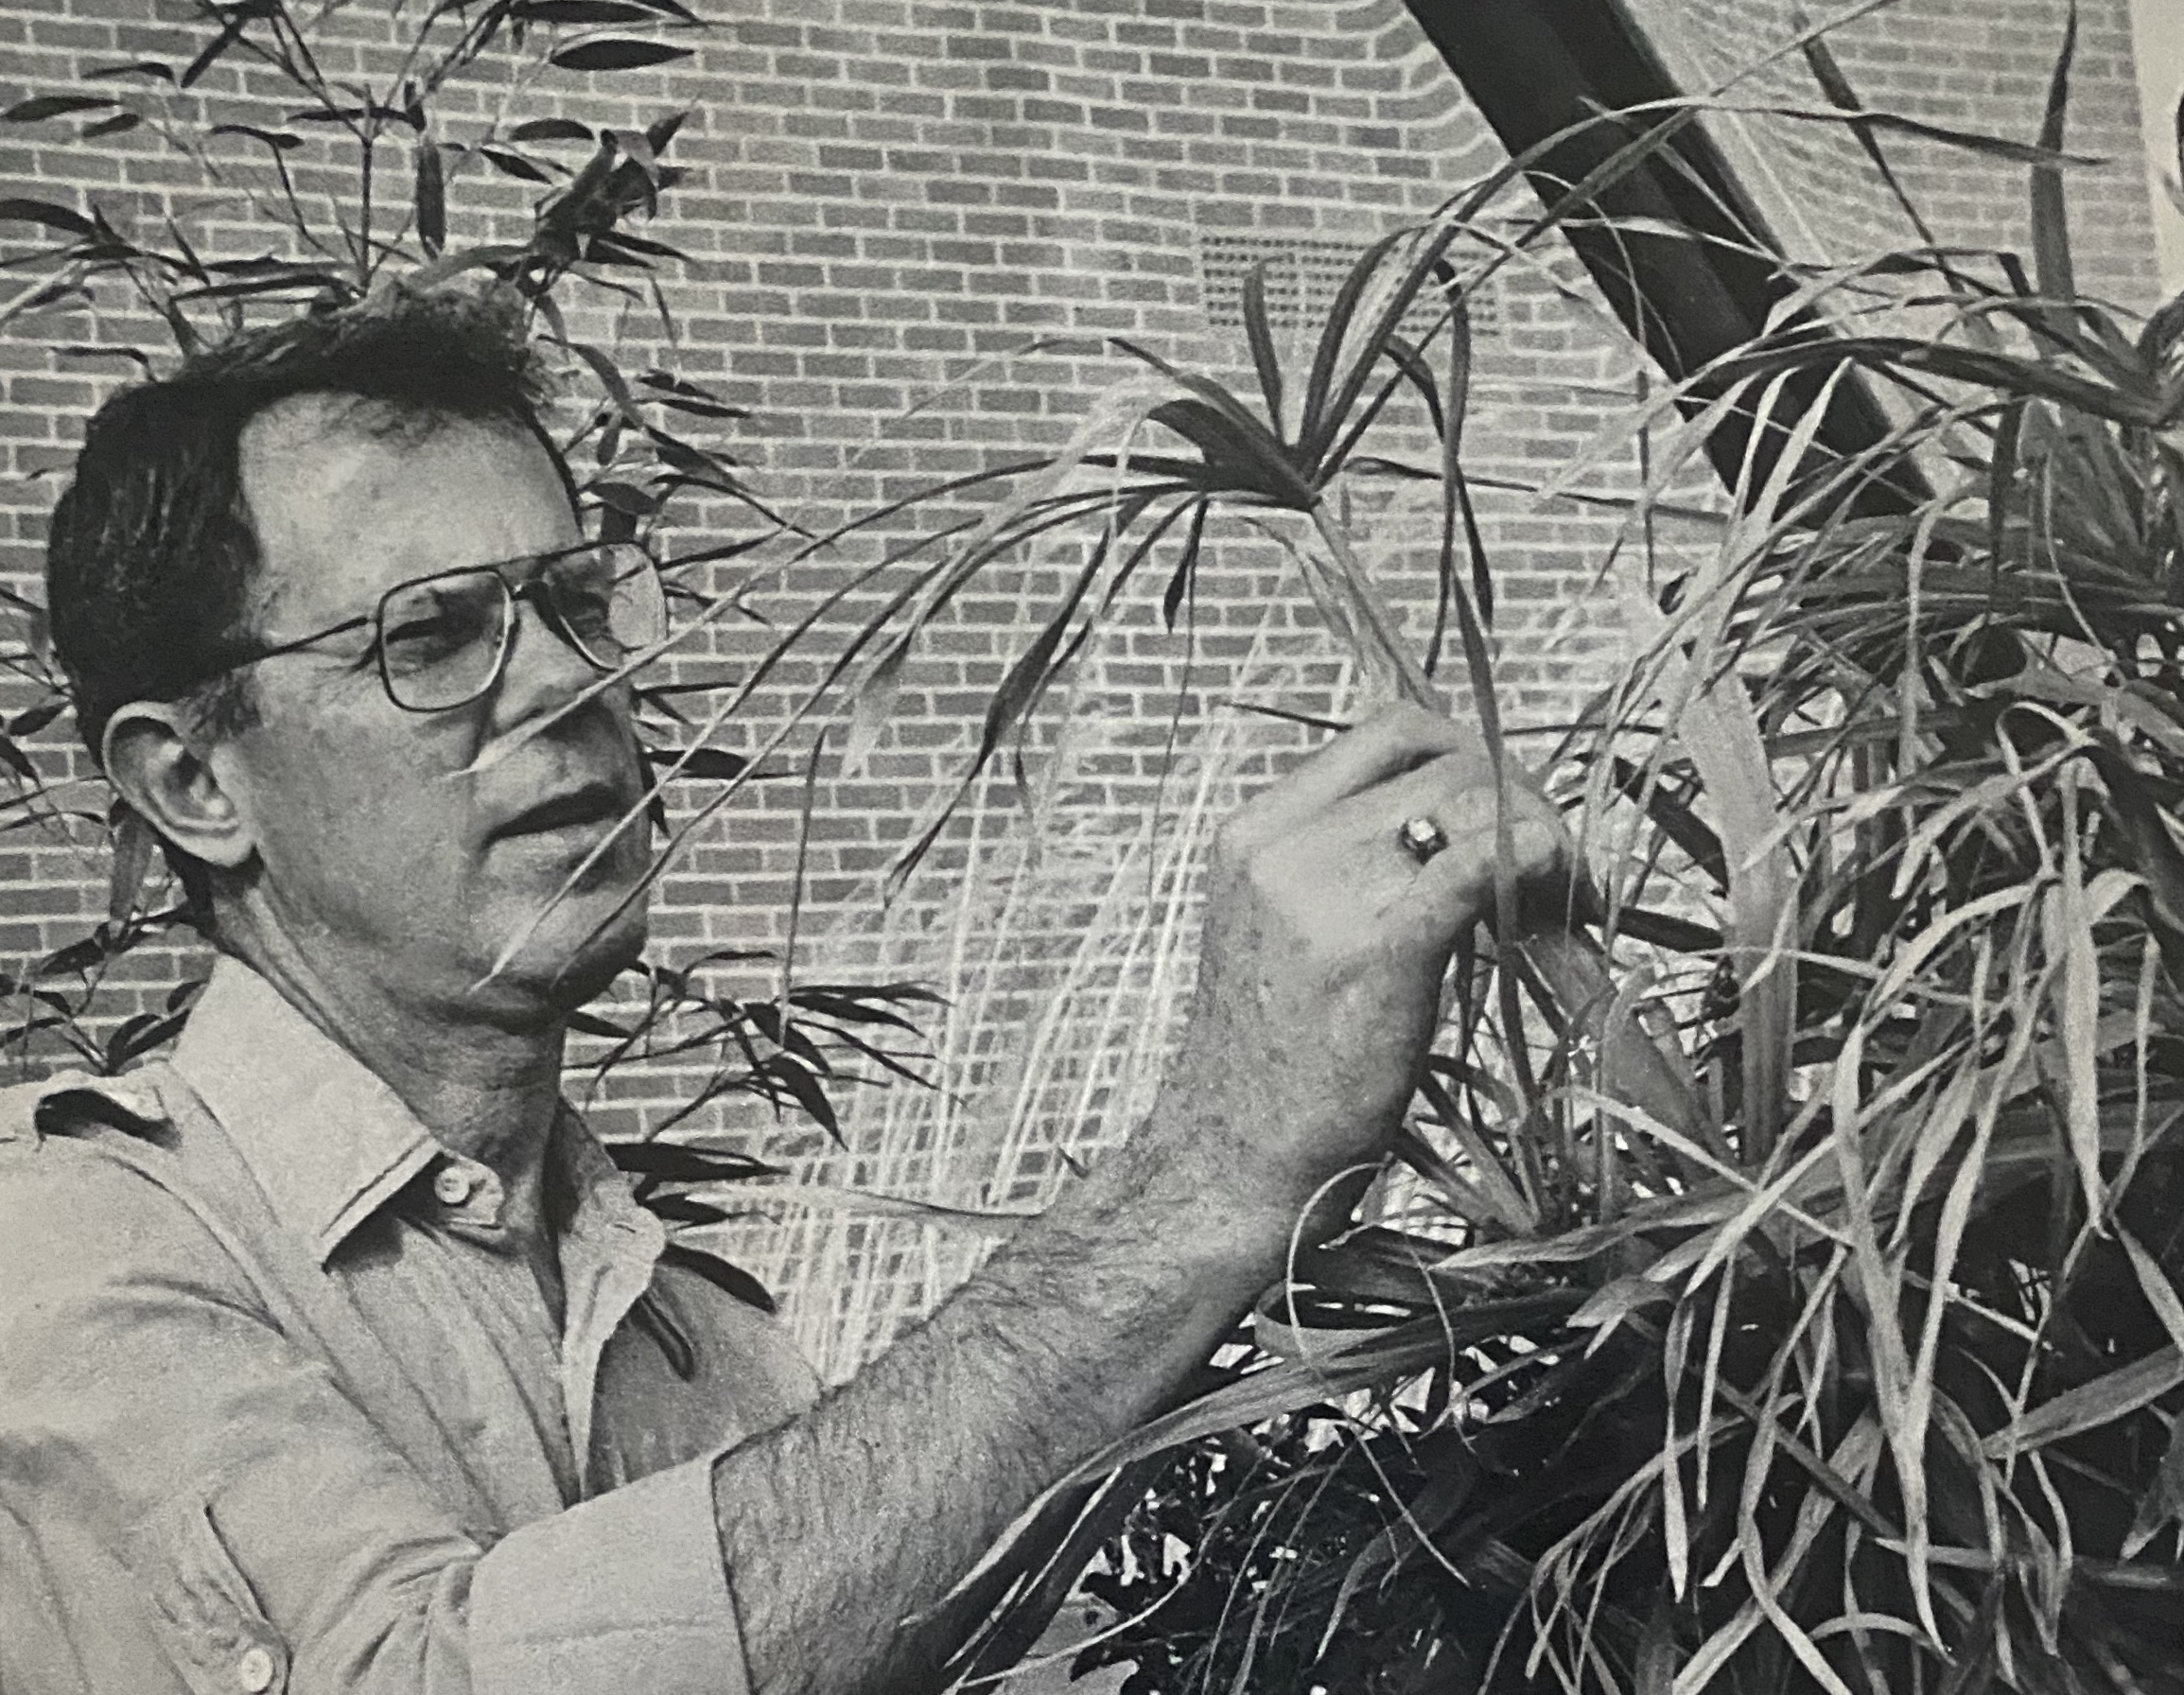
(1302, 279)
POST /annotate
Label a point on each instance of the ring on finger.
(1422, 838)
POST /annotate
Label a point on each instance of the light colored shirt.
(282, 1408)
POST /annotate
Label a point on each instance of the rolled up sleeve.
(624, 1592)
(214, 1512)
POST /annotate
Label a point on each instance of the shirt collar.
(327, 1139)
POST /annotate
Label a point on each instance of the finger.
(1455, 890)
(1458, 791)
(1384, 746)
(1464, 804)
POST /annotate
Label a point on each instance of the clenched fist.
(1337, 898)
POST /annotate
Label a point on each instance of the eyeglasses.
(443, 641)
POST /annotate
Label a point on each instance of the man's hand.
(1326, 942)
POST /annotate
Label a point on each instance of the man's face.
(376, 852)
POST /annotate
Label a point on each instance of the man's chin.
(568, 959)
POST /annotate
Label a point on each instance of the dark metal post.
(1535, 67)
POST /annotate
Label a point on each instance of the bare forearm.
(846, 1522)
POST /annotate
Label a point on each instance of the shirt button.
(254, 1671)
(452, 1185)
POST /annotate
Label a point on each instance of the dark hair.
(151, 551)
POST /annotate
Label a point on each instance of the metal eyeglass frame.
(533, 587)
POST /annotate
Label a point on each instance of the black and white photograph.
(1130, 846)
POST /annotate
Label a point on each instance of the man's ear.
(166, 774)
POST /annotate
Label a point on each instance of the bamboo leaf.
(512, 163)
(616, 53)
(40, 107)
(150, 69)
(53, 216)
(550, 128)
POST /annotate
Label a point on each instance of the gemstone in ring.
(1422, 838)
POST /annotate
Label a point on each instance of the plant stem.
(1359, 618)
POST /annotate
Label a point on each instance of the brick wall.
(891, 200)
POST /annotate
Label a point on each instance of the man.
(336, 1357)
